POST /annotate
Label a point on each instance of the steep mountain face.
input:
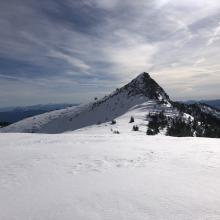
(142, 99)
(146, 86)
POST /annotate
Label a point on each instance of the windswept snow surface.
(93, 174)
(77, 117)
(74, 118)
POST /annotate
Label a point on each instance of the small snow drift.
(143, 99)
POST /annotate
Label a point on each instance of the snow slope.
(135, 94)
(93, 174)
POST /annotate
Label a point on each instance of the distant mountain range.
(140, 106)
(214, 103)
(14, 114)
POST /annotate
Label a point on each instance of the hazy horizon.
(92, 99)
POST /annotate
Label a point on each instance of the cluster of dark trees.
(156, 123)
(202, 125)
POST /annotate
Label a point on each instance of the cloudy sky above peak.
(73, 50)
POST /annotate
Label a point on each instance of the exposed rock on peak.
(145, 85)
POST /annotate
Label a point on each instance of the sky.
(70, 51)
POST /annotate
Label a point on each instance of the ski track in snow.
(95, 174)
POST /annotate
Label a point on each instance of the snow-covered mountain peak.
(134, 95)
(144, 85)
(141, 99)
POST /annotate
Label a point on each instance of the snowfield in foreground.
(94, 175)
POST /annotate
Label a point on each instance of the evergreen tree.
(135, 128)
(131, 119)
(113, 122)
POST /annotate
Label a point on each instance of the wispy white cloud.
(105, 43)
(75, 62)
(215, 36)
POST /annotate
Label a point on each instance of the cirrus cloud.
(95, 45)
